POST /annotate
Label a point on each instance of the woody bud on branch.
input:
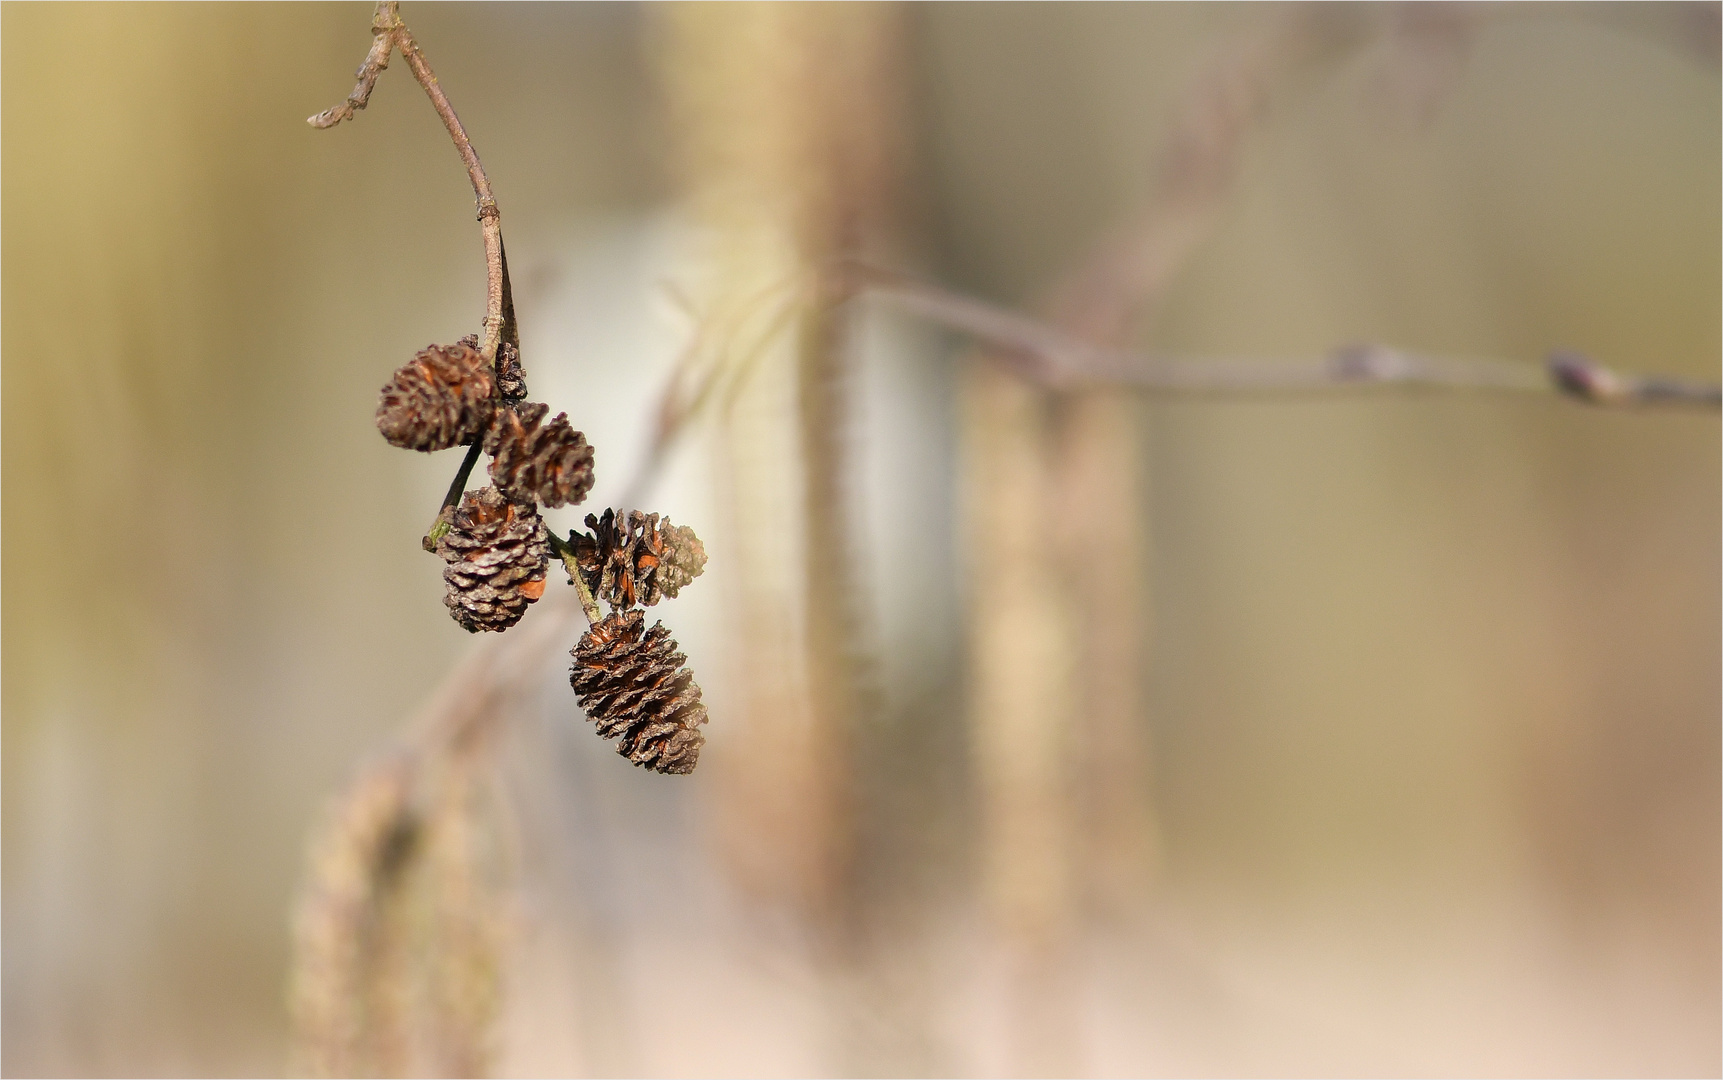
(630, 680)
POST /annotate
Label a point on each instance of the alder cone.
(511, 380)
(606, 559)
(443, 397)
(632, 684)
(679, 554)
(531, 459)
(641, 561)
(497, 550)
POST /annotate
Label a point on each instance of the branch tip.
(1578, 376)
(384, 25)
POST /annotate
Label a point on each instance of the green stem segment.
(566, 554)
(457, 488)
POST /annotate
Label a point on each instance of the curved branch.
(390, 33)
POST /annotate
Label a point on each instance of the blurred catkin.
(1022, 638)
(1056, 644)
(1110, 299)
(344, 997)
(785, 125)
(399, 929)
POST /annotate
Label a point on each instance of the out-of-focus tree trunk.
(1058, 607)
(786, 139)
(1054, 526)
(1021, 706)
(1098, 470)
(1108, 300)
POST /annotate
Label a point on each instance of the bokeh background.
(1051, 734)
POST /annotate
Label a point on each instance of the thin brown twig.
(383, 23)
(390, 33)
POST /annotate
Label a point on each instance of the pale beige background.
(1433, 682)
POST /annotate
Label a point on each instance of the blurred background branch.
(1048, 357)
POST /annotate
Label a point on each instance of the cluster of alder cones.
(630, 680)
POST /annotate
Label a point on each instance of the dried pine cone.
(534, 460)
(633, 685)
(640, 563)
(675, 554)
(511, 380)
(442, 398)
(497, 551)
(606, 559)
